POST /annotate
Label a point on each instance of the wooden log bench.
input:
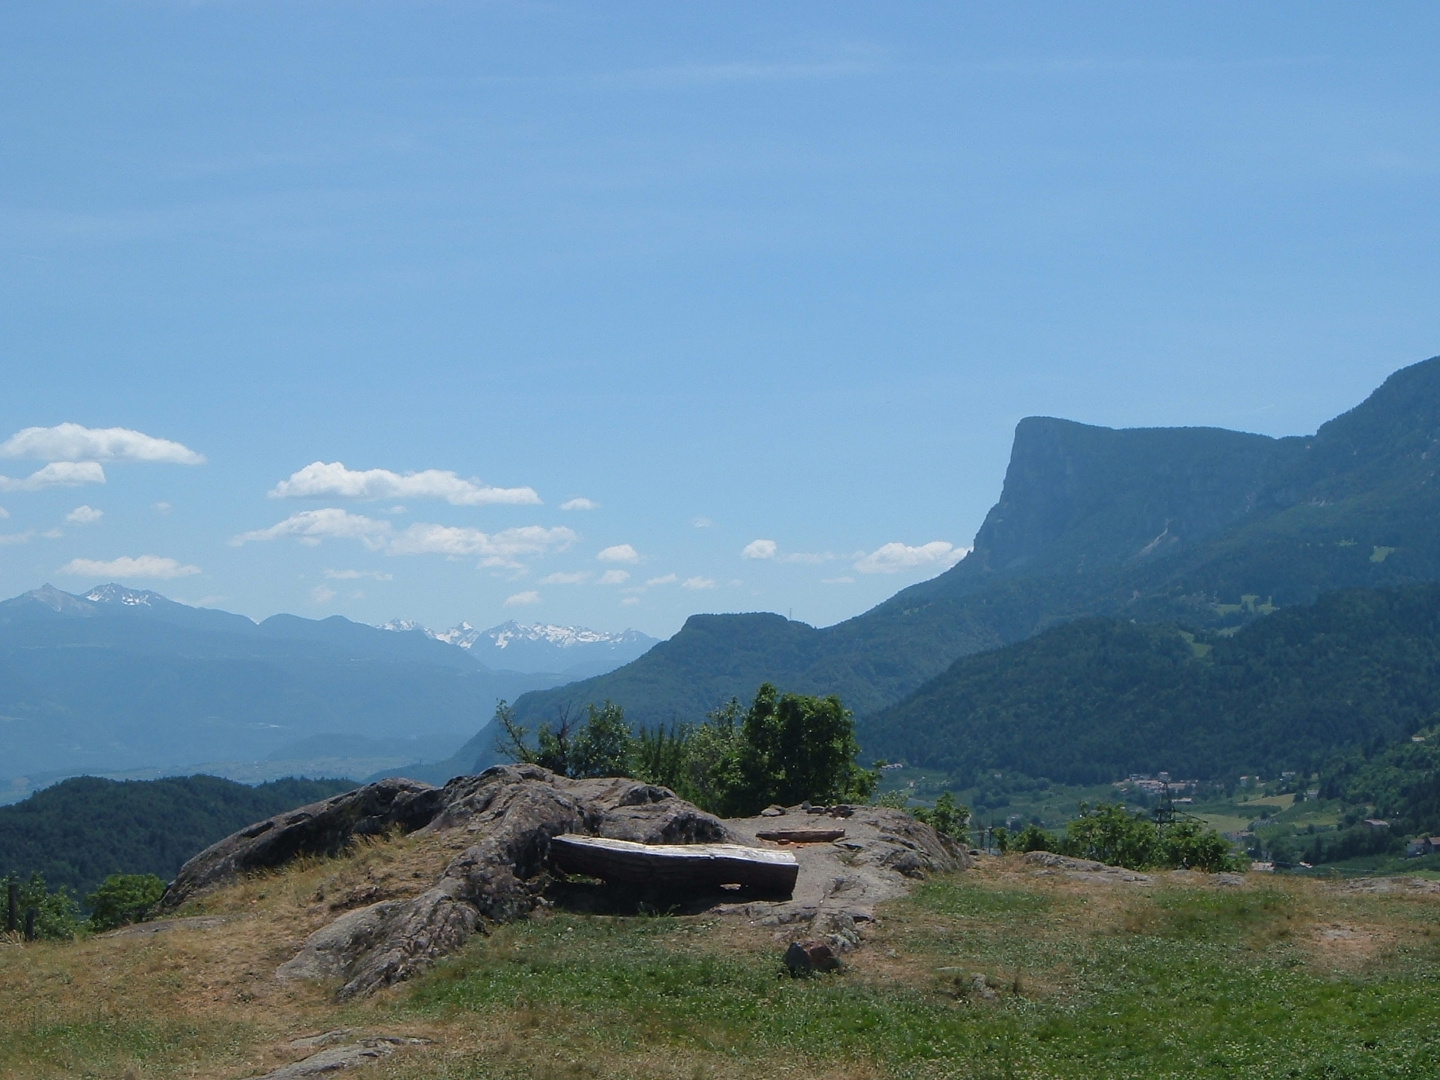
(676, 867)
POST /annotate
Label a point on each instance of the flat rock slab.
(334, 1059)
(164, 926)
(1087, 870)
(880, 857)
(801, 836)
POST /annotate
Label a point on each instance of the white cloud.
(579, 503)
(668, 579)
(57, 474)
(698, 583)
(320, 480)
(614, 577)
(321, 594)
(768, 549)
(892, 558)
(125, 567)
(18, 538)
(71, 442)
(354, 575)
(161, 507)
(760, 549)
(522, 598)
(702, 523)
(84, 515)
(576, 578)
(619, 553)
(630, 600)
(837, 581)
(52, 534)
(500, 549)
(312, 526)
(4, 513)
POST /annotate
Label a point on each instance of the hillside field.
(1183, 977)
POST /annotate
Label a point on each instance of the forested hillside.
(1097, 699)
(84, 829)
(1156, 525)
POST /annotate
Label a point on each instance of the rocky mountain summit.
(502, 823)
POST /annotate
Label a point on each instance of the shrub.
(57, 914)
(946, 817)
(123, 899)
(785, 748)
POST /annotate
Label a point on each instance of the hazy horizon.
(607, 316)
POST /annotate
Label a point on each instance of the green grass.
(1181, 983)
(112, 1041)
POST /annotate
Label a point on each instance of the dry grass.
(574, 997)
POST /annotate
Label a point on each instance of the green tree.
(1188, 845)
(57, 914)
(123, 899)
(1111, 834)
(794, 747)
(946, 816)
(551, 748)
(603, 747)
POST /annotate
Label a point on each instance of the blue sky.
(786, 273)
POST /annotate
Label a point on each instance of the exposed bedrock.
(509, 814)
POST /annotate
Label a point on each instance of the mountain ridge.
(541, 647)
(1153, 524)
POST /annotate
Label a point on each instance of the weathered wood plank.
(676, 866)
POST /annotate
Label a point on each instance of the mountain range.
(125, 682)
(533, 648)
(1200, 527)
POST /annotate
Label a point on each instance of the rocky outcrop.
(513, 812)
(322, 828)
(508, 817)
(510, 812)
(880, 857)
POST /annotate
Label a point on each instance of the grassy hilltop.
(999, 972)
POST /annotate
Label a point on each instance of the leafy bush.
(1110, 834)
(123, 899)
(1034, 838)
(946, 817)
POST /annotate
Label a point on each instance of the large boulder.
(510, 811)
(322, 828)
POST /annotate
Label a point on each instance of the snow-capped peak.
(502, 636)
(563, 637)
(119, 594)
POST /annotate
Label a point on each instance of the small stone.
(980, 987)
(808, 957)
(772, 811)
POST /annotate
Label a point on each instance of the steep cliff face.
(1082, 496)
(1151, 524)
